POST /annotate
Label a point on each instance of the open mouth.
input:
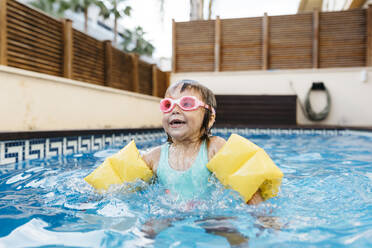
(177, 123)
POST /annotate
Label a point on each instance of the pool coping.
(22, 135)
(68, 133)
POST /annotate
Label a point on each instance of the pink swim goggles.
(187, 103)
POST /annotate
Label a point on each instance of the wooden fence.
(34, 41)
(310, 40)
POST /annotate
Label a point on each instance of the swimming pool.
(325, 200)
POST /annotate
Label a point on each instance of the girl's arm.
(256, 198)
(152, 158)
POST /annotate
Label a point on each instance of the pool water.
(325, 200)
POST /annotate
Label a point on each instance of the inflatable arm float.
(124, 166)
(245, 167)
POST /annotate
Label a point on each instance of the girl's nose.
(176, 109)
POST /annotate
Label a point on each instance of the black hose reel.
(310, 113)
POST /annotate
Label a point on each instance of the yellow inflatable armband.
(245, 167)
(124, 166)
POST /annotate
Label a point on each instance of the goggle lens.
(165, 105)
(187, 103)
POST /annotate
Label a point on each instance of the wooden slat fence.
(308, 40)
(241, 44)
(122, 66)
(88, 59)
(145, 76)
(343, 39)
(195, 46)
(32, 40)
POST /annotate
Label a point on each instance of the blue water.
(325, 201)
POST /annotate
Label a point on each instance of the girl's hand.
(256, 198)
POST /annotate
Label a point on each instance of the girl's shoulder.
(152, 157)
(214, 145)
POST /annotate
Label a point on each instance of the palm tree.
(134, 42)
(78, 6)
(116, 9)
(50, 7)
(210, 7)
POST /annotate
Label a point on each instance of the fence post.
(217, 45)
(155, 84)
(3, 33)
(369, 36)
(135, 76)
(174, 69)
(167, 80)
(67, 48)
(108, 62)
(316, 38)
(266, 42)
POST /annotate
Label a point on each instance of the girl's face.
(183, 125)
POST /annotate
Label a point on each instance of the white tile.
(84, 144)
(97, 143)
(71, 146)
(33, 147)
(53, 148)
(15, 149)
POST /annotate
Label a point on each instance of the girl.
(180, 164)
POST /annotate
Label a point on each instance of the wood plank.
(26, 65)
(67, 48)
(17, 32)
(22, 46)
(31, 61)
(217, 45)
(108, 62)
(34, 13)
(33, 53)
(266, 42)
(27, 21)
(369, 36)
(174, 45)
(155, 82)
(3, 33)
(135, 76)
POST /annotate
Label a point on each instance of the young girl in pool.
(180, 164)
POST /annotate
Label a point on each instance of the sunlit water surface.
(325, 201)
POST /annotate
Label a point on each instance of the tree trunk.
(210, 6)
(196, 9)
(86, 20)
(115, 30)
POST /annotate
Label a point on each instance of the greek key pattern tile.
(14, 151)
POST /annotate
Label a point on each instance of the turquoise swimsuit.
(188, 184)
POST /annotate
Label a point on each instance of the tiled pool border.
(16, 150)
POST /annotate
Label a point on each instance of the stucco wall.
(350, 89)
(34, 101)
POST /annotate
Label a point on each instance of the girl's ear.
(211, 121)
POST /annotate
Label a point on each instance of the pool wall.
(32, 101)
(16, 147)
(350, 90)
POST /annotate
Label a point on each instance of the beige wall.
(34, 101)
(350, 89)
